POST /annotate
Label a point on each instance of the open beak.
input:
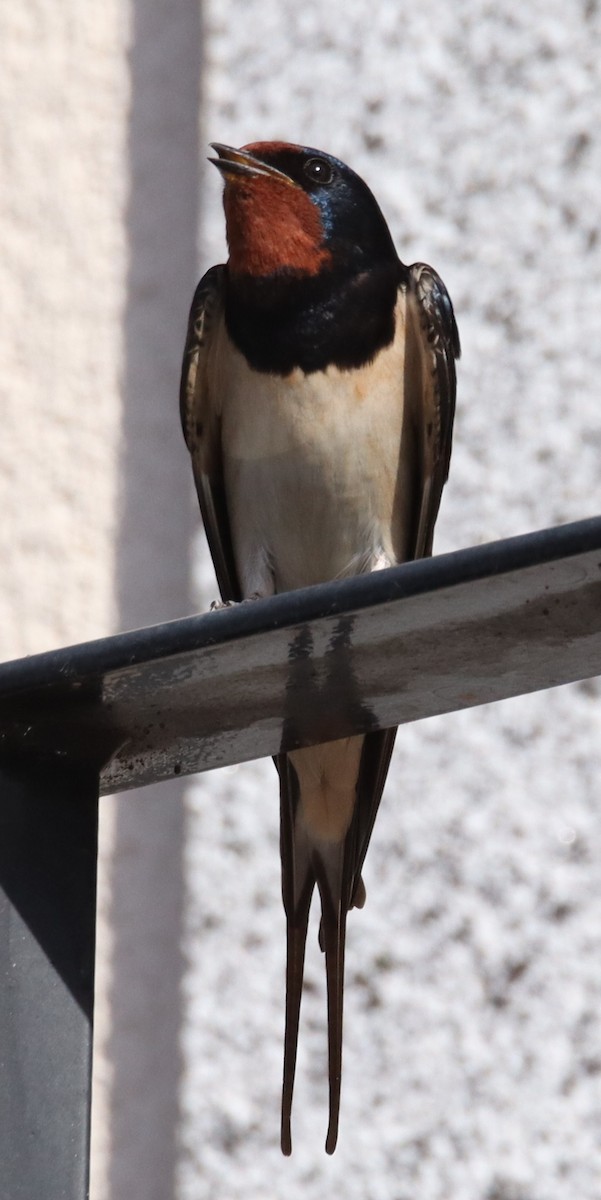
(236, 164)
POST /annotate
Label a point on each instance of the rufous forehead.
(260, 148)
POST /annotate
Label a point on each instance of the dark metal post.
(48, 845)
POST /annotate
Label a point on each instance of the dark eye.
(318, 170)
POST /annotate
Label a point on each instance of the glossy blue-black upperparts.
(355, 230)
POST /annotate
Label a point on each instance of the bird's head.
(293, 210)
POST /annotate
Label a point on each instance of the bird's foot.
(381, 562)
(217, 605)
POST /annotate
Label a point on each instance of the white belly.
(313, 470)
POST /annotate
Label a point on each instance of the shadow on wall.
(153, 583)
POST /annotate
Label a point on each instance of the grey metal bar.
(371, 652)
(48, 847)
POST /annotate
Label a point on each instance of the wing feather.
(431, 391)
(202, 428)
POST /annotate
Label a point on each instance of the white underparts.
(313, 469)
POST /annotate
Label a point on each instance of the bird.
(317, 403)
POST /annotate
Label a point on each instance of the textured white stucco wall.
(472, 1043)
(98, 229)
(63, 93)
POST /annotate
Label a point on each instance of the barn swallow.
(317, 402)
